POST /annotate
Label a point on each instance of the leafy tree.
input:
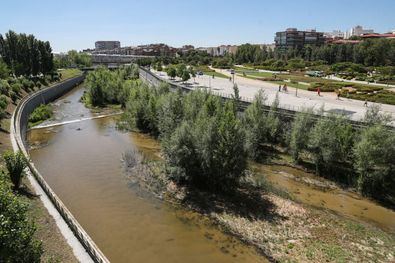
(374, 116)
(25, 55)
(4, 70)
(374, 161)
(331, 141)
(15, 163)
(3, 106)
(255, 125)
(301, 128)
(172, 72)
(185, 76)
(17, 243)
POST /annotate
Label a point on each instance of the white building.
(357, 31)
(334, 34)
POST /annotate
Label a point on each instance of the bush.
(299, 137)
(16, 88)
(15, 163)
(41, 113)
(374, 154)
(17, 243)
(331, 142)
(4, 87)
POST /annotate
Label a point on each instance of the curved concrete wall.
(19, 126)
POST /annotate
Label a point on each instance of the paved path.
(305, 99)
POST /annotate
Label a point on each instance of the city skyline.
(74, 25)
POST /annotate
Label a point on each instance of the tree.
(171, 72)
(374, 116)
(192, 72)
(374, 161)
(25, 55)
(300, 133)
(17, 243)
(15, 163)
(3, 106)
(185, 76)
(331, 141)
(256, 130)
(4, 70)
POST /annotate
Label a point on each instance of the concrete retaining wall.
(19, 126)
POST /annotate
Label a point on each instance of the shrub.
(17, 243)
(4, 87)
(41, 113)
(331, 142)
(374, 161)
(301, 128)
(15, 163)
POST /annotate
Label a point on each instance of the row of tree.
(371, 52)
(207, 143)
(109, 87)
(73, 59)
(25, 55)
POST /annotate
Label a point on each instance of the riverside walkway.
(354, 109)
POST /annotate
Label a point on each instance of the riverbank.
(280, 228)
(55, 247)
(54, 244)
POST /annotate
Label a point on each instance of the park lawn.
(210, 72)
(69, 73)
(215, 74)
(384, 96)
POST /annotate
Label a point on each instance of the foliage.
(17, 243)
(25, 55)
(4, 70)
(171, 71)
(15, 163)
(330, 142)
(41, 113)
(3, 106)
(109, 87)
(73, 59)
(300, 133)
(374, 161)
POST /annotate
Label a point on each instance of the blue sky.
(72, 24)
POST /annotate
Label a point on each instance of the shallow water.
(309, 189)
(82, 163)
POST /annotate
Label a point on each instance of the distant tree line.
(25, 55)
(73, 59)
(371, 52)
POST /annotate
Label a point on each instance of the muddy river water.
(81, 161)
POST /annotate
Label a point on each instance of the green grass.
(216, 74)
(69, 73)
(384, 96)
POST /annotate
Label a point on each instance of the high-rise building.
(107, 45)
(357, 31)
(293, 38)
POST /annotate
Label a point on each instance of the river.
(81, 161)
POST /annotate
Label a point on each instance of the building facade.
(107, 45)
(357, 31)
(293, 38)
